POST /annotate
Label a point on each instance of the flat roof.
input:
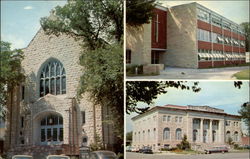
(187, 108)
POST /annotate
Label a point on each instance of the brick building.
(44, 116)
(188, 35)
(165, 126)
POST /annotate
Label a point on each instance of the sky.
(20, 19)
(217, 94)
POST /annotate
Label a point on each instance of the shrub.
(130, 69)
(184, 145)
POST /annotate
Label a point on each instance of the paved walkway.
(225, 73)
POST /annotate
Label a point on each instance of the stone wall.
(181, 36)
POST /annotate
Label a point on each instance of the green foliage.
(230, 141)
(246, 28)
(10, 73)
(184, 145)
(95, 22)
(236, 146)
(130, 69)
(139, 12)
(147, 91)
(98, 145)
(245, 114)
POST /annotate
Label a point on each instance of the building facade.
(44, 116)
(199, 39)
(165, 126)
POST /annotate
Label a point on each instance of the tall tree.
(139, 12)
(245, 114)
(246, 28)
(147, 91)
(10, 73)
(99, 24)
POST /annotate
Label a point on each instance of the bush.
(130, 69)
(184, 145)
(236, 146)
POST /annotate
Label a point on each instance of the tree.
(246, 28)
(139, 12)
(10, 73)
(99, 25)
(245, 114)
(184, 145)
(147, 91)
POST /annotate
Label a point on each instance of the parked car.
(134, 149)
(147, 150)
(103, 155)
(129, 148)
(57, 157)
(22, 157)
(216, 149)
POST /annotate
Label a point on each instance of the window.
(203, 15)
(169, 118)
(84, 141)
(176, 119)
(228, 136)
(128, 56)
(51, 129)
(154, 133)
(205, 136)
(148, 135)
(166, 134)
(214, 136)
(236, 136)
(53, 79)
(203, 35)
(216, 21)
(180, 119)
(178, 134)
(155, 57)
(164, 118)
(156, 29)
(22, 122)
(83, 117)
(195, 135)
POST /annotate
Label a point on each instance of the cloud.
(28, 7)
(16, 43)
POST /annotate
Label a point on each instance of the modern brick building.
(188, 35)
(44, 116)
(165, 126)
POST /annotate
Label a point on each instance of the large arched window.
(178, 134)
(166, 134)
(52, 129)
(53, 79)
(195, 135)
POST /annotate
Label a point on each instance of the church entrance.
(51, 130)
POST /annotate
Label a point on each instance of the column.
(201, 130)
(210, 131)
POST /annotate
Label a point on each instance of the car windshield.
(58, 157)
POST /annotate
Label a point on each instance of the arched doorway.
(51, 130)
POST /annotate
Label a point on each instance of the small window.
(83, 117)
(22, 122)
(128, 56)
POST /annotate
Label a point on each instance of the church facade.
(165, 126)
(44, 114)
(189, 36)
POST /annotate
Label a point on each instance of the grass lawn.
(242, 75)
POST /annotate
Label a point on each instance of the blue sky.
(218, 94)
(20, 20)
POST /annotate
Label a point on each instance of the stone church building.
(44, 115)
(204, 126)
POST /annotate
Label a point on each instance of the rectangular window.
(176, 119)
(49, 135)
(43, 137)
(54, 134)
(57, 85)
(61, 134)
(83, 117)
(128, 56)
(63, 85)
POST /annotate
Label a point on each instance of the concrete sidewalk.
(225, 73)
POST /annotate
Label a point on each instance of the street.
(224, 73)
(133, 155)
